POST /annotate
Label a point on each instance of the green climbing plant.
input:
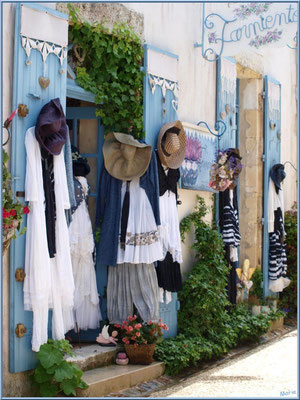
(54, 375)
(203, 298)
(109, 65)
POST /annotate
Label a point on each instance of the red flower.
(130, 328)
(124, 340)
(12, 212)
(138, 334)
(133, 337)
(26, 210)
(5, 213)
(117, 326)
(150, 322)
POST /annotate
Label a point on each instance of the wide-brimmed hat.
(51, 127)
(125, 158)
(80, 164)
(277, 174)
(171, 144)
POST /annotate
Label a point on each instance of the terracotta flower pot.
(141, 354)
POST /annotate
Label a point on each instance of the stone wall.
(108, 14)
(251, 178)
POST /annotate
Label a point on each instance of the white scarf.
(48, 282)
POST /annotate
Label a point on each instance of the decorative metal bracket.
(295, 40)
(218, 125)
(210, 25)
(7, 124)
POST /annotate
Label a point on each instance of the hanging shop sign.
(231, 28)
(201, 148)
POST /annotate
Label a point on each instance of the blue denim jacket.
(108, 214)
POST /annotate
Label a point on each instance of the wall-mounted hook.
(218, 125)
(34, 96)
(288, 162)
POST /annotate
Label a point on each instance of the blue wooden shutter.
(160, 107)
(27, 90)
(226, 100)
(272, 143)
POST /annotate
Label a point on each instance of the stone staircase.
(102, 374)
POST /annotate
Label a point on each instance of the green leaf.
(64, 371)
(68, 386)
(49, 356)
(41, 375)
(49, 389)
(82, 384)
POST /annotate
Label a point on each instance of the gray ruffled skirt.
(128, 285)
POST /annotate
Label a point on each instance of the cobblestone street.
(269, 370)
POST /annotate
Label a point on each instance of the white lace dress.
(170, 234)
(142, 243)
(86, 299)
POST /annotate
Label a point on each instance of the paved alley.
(269, 370)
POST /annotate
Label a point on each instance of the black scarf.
(50, 208)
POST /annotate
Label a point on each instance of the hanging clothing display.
(109, 204)
(278, 279)
(130, 284)
(229, 226)
(142, 240)
(86, 299)
(49, 281)
(168, 270)
(128, 215)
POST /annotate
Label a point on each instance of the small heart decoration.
(44, 82)
(175, 105)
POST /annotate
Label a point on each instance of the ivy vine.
(108, 64)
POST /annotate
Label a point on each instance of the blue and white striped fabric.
(230, 229)
(277, 255)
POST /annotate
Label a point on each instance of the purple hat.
(51, 127)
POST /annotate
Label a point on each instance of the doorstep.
(113, 378)
(91, 356)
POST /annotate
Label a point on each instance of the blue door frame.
(27, 90)
(271, 156)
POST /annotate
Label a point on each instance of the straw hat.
(125, 158)
(171, 144)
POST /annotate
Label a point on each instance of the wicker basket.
(141, 354)
(7, 235)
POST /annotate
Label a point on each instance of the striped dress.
(229, 227)
(277, 248)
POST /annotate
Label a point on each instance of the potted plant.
(254, 303)
(265, 308)
(139, 339)
(12, 210)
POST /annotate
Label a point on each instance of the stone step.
(113, 378)
(92, 356)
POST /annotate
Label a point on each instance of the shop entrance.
(87, 134)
